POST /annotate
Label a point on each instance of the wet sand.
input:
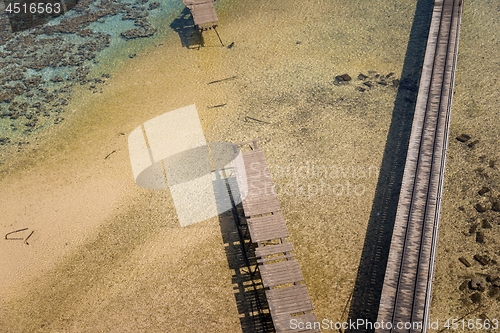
(109, 256)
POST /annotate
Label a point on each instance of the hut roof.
(203, 12)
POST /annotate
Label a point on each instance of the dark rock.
(495, 206)
(49, 98)
(478, 285)
(361, 89)
(483, 190)
(473, 143)
(483, 316)
(473, 228)
(494, 291)
(85, 33)
(153, 5)
(479, 237)
(135, 14)
(345, 77)
(57, 78)
(132, 55)
(340, 80)
(106, 76)
(362, 76)
(138, 33)
(230, 46)
(142, 22)
(486, 224)
(389, 75)
(491, 163)
(463, 137)
(492, 278)
(464, 261)
(31, 123)
(481, 172)
(7, 98)
(480, 208)
(475, 298)
(18, 89)
(464, 285)
(382, 83)
(369, 84)
(461, 208)
(395, 82)
(6, 114)
(483, 260)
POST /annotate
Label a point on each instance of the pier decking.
(203, 11)
(289, 303)
(406, 294)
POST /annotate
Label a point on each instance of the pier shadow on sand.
(365, 299)
(249, 293)
(189, 34)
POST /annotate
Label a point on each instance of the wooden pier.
(289, 303)
(203, 11)
(406, 294)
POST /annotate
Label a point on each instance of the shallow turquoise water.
(27, 114)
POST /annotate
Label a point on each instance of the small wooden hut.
(203, 12)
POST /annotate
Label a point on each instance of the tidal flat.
(109, 256)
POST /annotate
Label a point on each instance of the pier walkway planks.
(289, 302)
(406, 293)
(203, 11)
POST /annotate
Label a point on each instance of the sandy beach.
(109, 256)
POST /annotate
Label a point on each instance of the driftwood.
(26, 240)
(217, 106)
(255, 119)
(13, 232)
(114, 151)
